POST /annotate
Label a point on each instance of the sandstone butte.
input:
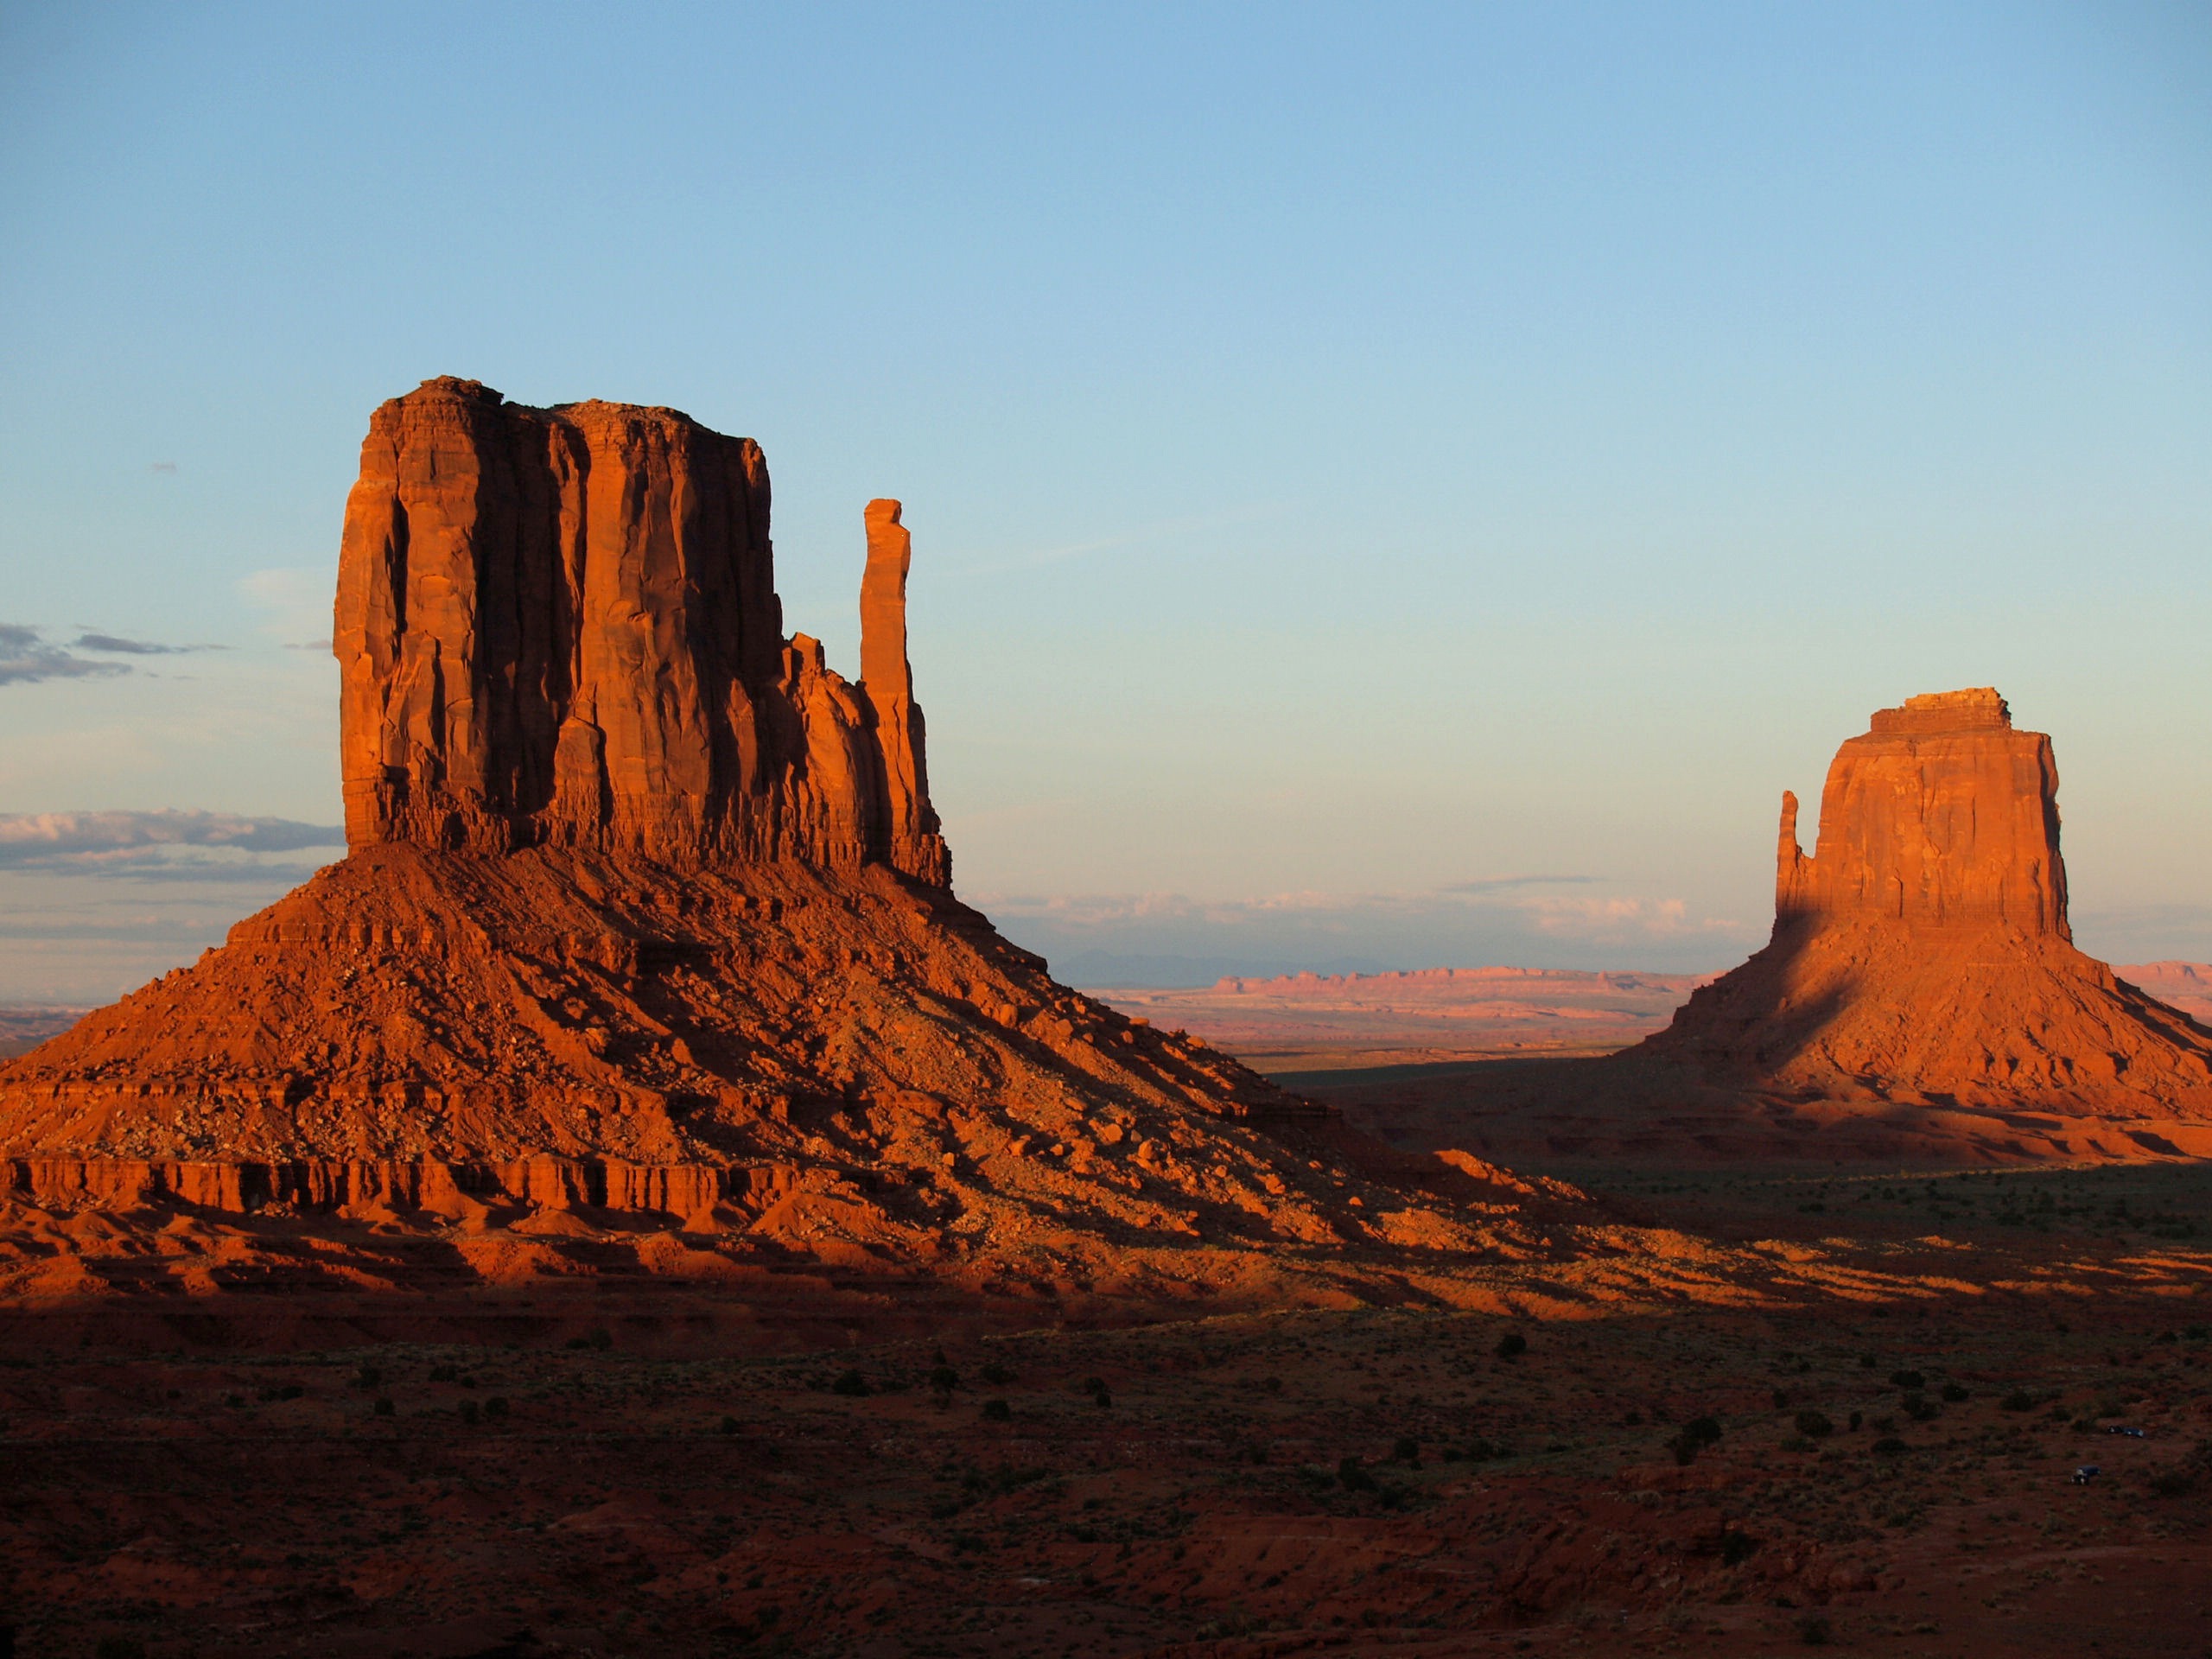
(1922, 955)
(646, 911)
(1920, 1000)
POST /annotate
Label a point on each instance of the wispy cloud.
(1508, 883)
(26, 658)
(117, 645)
(1552, 921)
(1566, 915)
(166, 844)
(294, 601)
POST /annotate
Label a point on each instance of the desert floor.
(622, 1470)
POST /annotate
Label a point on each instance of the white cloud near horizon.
(153, 845)
(1527, 921)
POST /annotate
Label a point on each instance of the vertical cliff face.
(1940, 815)
(560, 627)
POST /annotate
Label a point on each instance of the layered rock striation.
(1923, 953)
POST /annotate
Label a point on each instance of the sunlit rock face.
(560, 627)
(1941, 814)
(1923, 951)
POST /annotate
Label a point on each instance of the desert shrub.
(997, 1376)
(597, 1341)
(729, 1424)
(943, 1379)
(1408, 1450)
(1101, 1395)
(997, 1411)
(1737, 1547)
(1781, 1399)
(2019, 1400)
(367, 1377)
(1353, 1477)
(1954, 1392)
(1479, 1450)
(1814, 1629)
(1814, 1426)
(119, 1647)
(1857, 1418)
(1919, 1407)
(1512, 1345)
(1272, 1384)
(384, 1408)
(444, 1373)
(1634, 1419)
(471, 1412)
(495, 1408)
(850, 1383)
(1867, 1362)
(2173, 1483)
(1907, 1380)
(1706, 1431)
(1888, 1446)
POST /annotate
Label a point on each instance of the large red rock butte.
(645, 909)
(559, 628)
(1924, 955)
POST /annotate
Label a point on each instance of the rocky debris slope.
(646, 912)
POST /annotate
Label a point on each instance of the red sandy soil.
(671, 1470)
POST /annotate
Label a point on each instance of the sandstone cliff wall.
(1940, 815)
(560, 627)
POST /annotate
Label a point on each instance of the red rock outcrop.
(1923, 953)
(647, 910)
(560, 627)
(1941, 814)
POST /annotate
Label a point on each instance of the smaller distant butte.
(1921, 995)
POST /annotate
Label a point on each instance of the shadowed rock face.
(560, 627)
(1923, 953)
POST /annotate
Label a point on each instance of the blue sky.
(1391, 486)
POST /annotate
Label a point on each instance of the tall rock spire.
(911, 841)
